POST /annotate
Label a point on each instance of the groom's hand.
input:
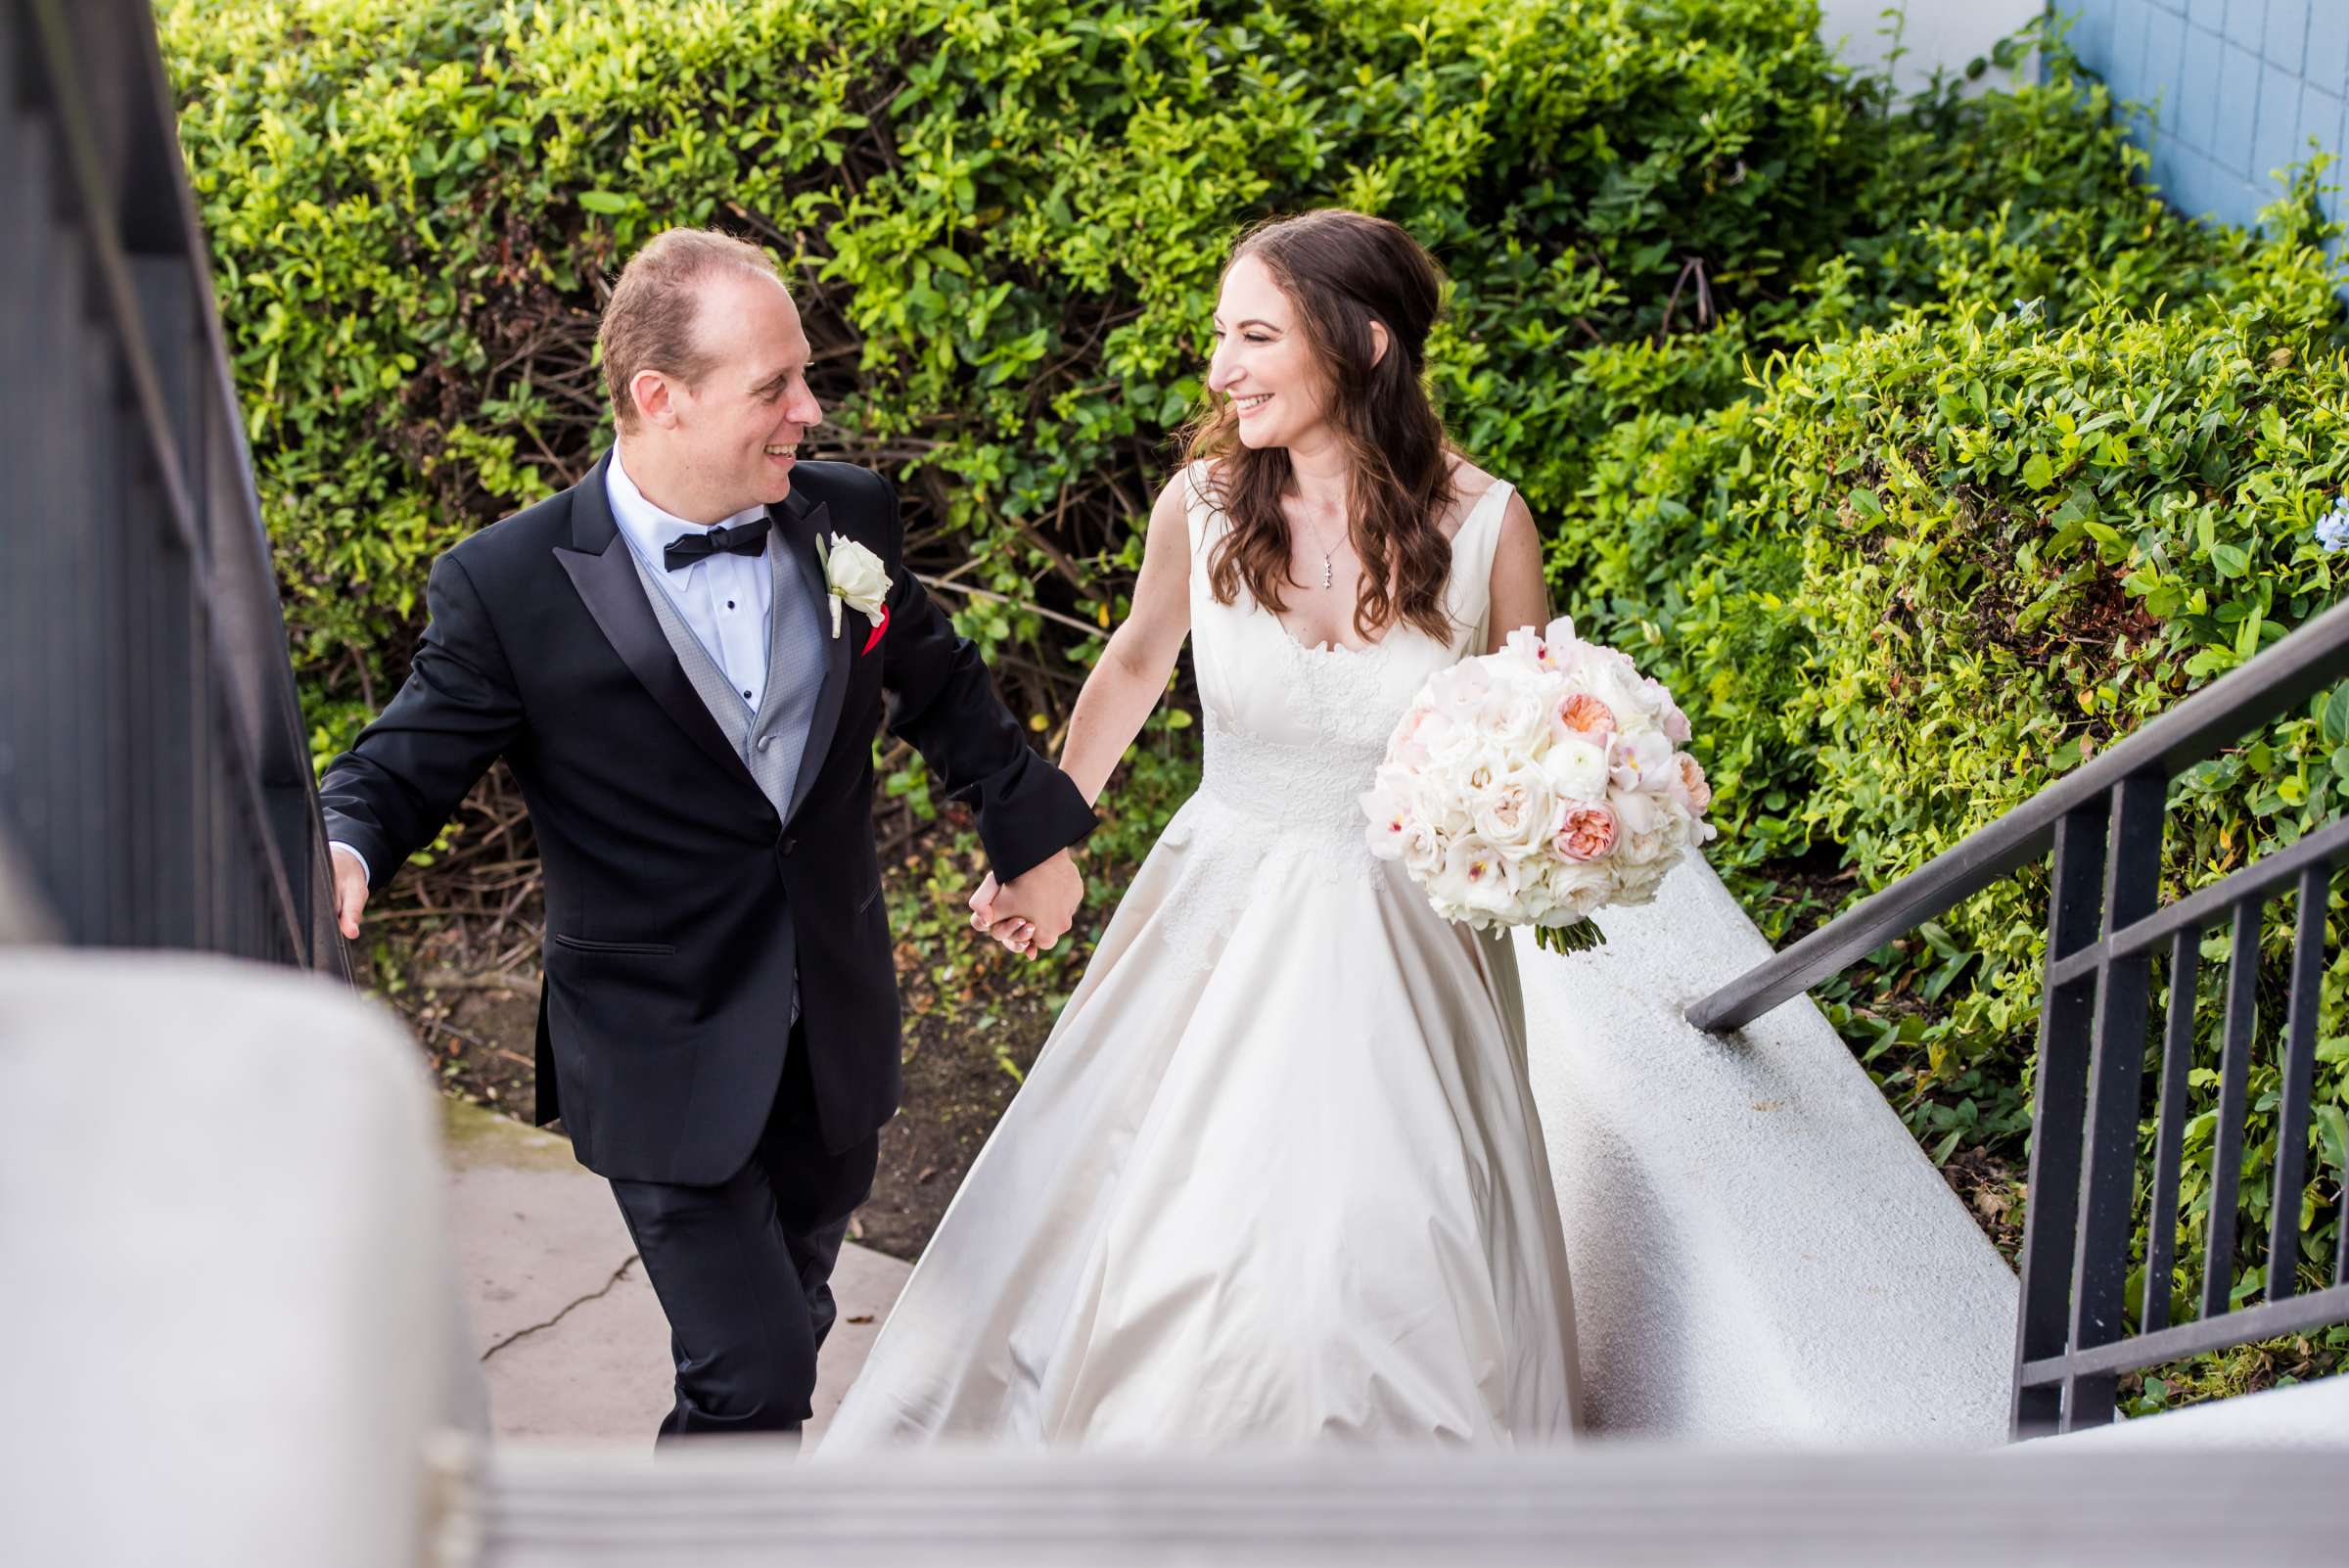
(1034, 909)
(1015, 931)
(351, 890)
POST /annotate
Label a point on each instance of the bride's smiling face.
(1263, 361)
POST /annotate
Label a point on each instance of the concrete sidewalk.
(570, 1335)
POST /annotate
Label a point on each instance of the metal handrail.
(2304, 662)
(2103, 824)
(193, 688)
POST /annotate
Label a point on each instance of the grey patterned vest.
(773, 741)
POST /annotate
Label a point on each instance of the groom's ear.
(651, 390)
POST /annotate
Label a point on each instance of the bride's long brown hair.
(1342, 270)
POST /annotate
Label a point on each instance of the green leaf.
(607, 201)
(2038, 472)
(2079, 506)
(2332, 1132)
(2335, 722)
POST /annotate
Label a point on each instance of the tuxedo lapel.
(605, 574)
(800, 521)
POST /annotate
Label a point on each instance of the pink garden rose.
(1584, 715)
(1589, 833)
(1693, 791)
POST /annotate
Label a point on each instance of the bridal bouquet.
(1536, 785)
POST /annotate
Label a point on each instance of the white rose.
(1637, 812)
(856, 577)
(1422, 847)
(1454, 747)
(1574, 769)
(1518, 813)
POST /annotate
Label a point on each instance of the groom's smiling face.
(733, 436)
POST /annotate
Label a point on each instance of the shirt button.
(746, 695)
(730, 604)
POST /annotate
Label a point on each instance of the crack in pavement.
(617, 1275)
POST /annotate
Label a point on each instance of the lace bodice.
(1308, 784)
(1293, 735)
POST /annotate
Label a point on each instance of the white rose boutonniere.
(857, 579)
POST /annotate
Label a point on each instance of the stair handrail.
(2103, 822)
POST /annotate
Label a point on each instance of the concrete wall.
(1948, 33)
(229, 1333)
(2234, 89)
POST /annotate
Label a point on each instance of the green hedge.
(1006, 219)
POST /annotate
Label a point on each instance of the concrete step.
(2303, 1415)
(1622, 1504)
(570, 1337)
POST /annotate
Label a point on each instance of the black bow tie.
(743, 538)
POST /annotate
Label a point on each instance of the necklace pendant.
(1326, 571)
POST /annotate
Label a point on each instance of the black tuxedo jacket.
(681, 906)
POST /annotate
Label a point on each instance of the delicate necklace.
(1327, 573)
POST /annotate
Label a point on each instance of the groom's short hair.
(648, 322)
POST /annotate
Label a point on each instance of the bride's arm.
(1126, 683)
(1133, 672)
(1519, 596)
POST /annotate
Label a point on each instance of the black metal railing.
(2103, 823)
(154, 779)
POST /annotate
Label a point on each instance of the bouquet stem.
(1580, 937)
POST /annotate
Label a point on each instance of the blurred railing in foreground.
(155, 778)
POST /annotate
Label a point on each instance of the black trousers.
(743, 1268)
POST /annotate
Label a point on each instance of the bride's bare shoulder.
(1469, 483)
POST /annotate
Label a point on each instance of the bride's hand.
(1012, 931)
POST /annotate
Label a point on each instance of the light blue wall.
(2236, 89)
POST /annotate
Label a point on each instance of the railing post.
(2299, 1065)
(2065, 1012)
(2116, 1067)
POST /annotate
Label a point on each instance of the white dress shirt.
(723, 597)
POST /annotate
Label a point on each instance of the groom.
(684, 659)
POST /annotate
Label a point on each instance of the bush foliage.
(1006, 222)
(1916, 444)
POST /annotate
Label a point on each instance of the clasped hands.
(1032, 910)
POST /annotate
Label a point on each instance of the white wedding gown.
(1276, 1175)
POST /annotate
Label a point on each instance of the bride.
(1276, 1175)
